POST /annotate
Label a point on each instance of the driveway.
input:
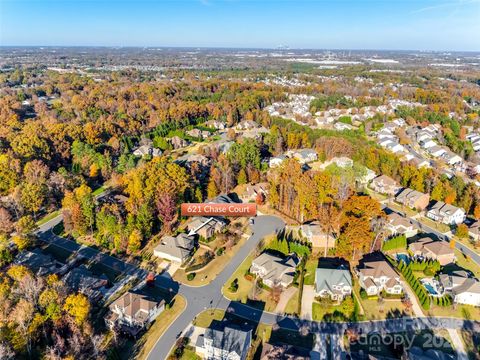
(416, 308)
(457, 344)
(284, 298)
(307, 300)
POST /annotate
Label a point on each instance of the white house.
(446, 213)
(436, 151)
(461, 287)
(132, 312)
(229, 343)
(276, 161)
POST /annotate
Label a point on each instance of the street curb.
(166, 329)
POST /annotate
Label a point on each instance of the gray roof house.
(335, 283)
(274, 270)
(229, 343)
(175, 249)
(446, 213)
(464, 289)
(305, 155)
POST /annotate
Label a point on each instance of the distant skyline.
(445, 25)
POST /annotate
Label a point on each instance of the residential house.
(426, 248)
(436, 151)
(463, 289)
(446, 213)
(395, 147)
(178, 143)
(229, 343)
(199, 134)
(283, 352)
(206, 227)
(413, 199)
(247, 125)
(252, 192)
(40, 263)
(145, 150)
(276, 161)
(133, 312)
(314, 233)
(385, 185)
(176, 249)
(304, 156)
(377, 276)
(255, 133)
(82, 280)
(215, 124)
(474, 231)
(333, 283)
(451, 158)
(427, 143)
(399, 225)
(273, 270)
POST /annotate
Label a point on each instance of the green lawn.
(100, 190)
(333, 312)
(244, 286)
(434, 224)
(310, 269)
(48, 217)
(189, 354)
(466, 263)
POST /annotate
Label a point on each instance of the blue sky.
(340, 24)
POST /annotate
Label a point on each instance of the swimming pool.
(404, 257)
(430, 289)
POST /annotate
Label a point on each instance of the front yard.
(247, 288)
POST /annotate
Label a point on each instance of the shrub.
(191, 276)
(234, 286)
(220, 251)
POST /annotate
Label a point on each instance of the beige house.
(273, 270)
(385, 185)
(176, 249)
(413, 199)
(313, 232)
(399, 225)
(132, 312)
(376, 276)
(474, 231)
(427, 248)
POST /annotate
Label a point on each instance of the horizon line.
(279, 48)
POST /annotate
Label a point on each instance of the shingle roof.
(325, 279)
(229, 339)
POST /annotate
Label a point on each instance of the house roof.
(408, 195)
(377, 269)
(442, 209)
(132, 303)
(469, 285)
(276, 268)
(283, 352)
(325, 279)
(385, 180)
(396, 220)
(179, 246)
(435, 247)
(230, 339)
